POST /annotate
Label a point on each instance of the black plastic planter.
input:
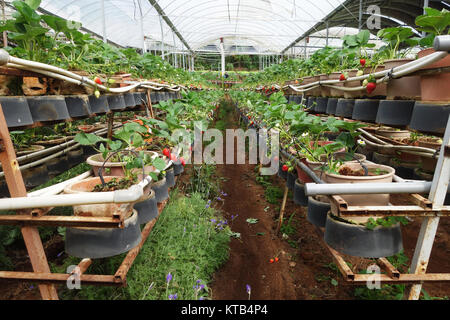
(344, 108)
(365, 110)
(429, 118)
(321, 105)
(311, 103)
(358, 241)
(170, 177)
(395, 112)
(317, 212)
(57, 166)
(148, 209)
(138, 98)
(102, 243)
(129, 100)
(116, 102)
(153, 97)
(331, 105)
(178, 167)
(17, 112)
(75, 157)
(290, 180)
(78, 106)
(48, 108)
(299, 194)
(36, 176)
(161, 190)
(297, 99)
(99, 105)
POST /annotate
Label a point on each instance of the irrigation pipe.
(58, 188)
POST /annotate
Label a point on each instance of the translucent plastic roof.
(259, 25)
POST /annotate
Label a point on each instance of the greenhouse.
(234, 150)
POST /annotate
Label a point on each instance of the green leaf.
(334, 282)
(159, 164)
(252, 220)
(88, 139)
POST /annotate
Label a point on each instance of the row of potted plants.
(328, 148)
(354, 59)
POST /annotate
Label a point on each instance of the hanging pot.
(344, 108)
(170, 177)
(116, 102)
(161, 190)
(78, 106)
(99, 105)
(430, 118)
(395, 113)
(178, 167)
(129, 100)
(17, 112)
(282, 174)
(98, 243)
(48, 108)
(321, 105)
(290, 180)
(331, 106)
(365, 110)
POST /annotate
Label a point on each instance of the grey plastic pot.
(161, 190)
(78, 106)
(48, 108)
(299, 194)
(36, 176)
(317, 212)
(358, 241)
(116, 102)
(344, 108)
(129, 100)
(178, 168)
(154, 97)
(99, 105)
(290, 180)
(331, 105)
(365, 110)
(102, 243)
(138, 98)
(75, 157)
(311, 103)
(430, 118)
(321, 105)
(17, 112)
(395, 112)
(170, 177)
(148, 209)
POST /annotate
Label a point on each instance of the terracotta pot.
(352, 94)
(334, 92)
(435, 87)
(96, 210)
(324, 91)
(30, 149)
(110, 168)
(308, 80)
(302, 176)
(365, 199)
(405, 88)
(393, 134)
(317, 91)
(316, 166)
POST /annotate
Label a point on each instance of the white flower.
(361, 142)
(305, 134)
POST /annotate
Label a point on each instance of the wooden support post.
(17, 188)
(283, 206)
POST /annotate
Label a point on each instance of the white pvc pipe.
(58, 188)
(312, 189)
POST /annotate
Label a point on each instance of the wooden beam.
(61, 221)
(17, 188)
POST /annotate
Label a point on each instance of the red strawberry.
(342, 77)
(285, 168)
(183, 162)
(97, 80)
(166, 152)
(173, 157)
(362, 62)
(276, 259)
(371, 86)
(271, 261)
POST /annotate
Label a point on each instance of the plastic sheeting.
(261, 26)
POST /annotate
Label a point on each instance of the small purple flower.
(223, 193)
(249, 289)
(169, 277)
(201, 298)
(213, 220)
(219, 199)
(31, 287)
(59, 254)
(173, 296)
